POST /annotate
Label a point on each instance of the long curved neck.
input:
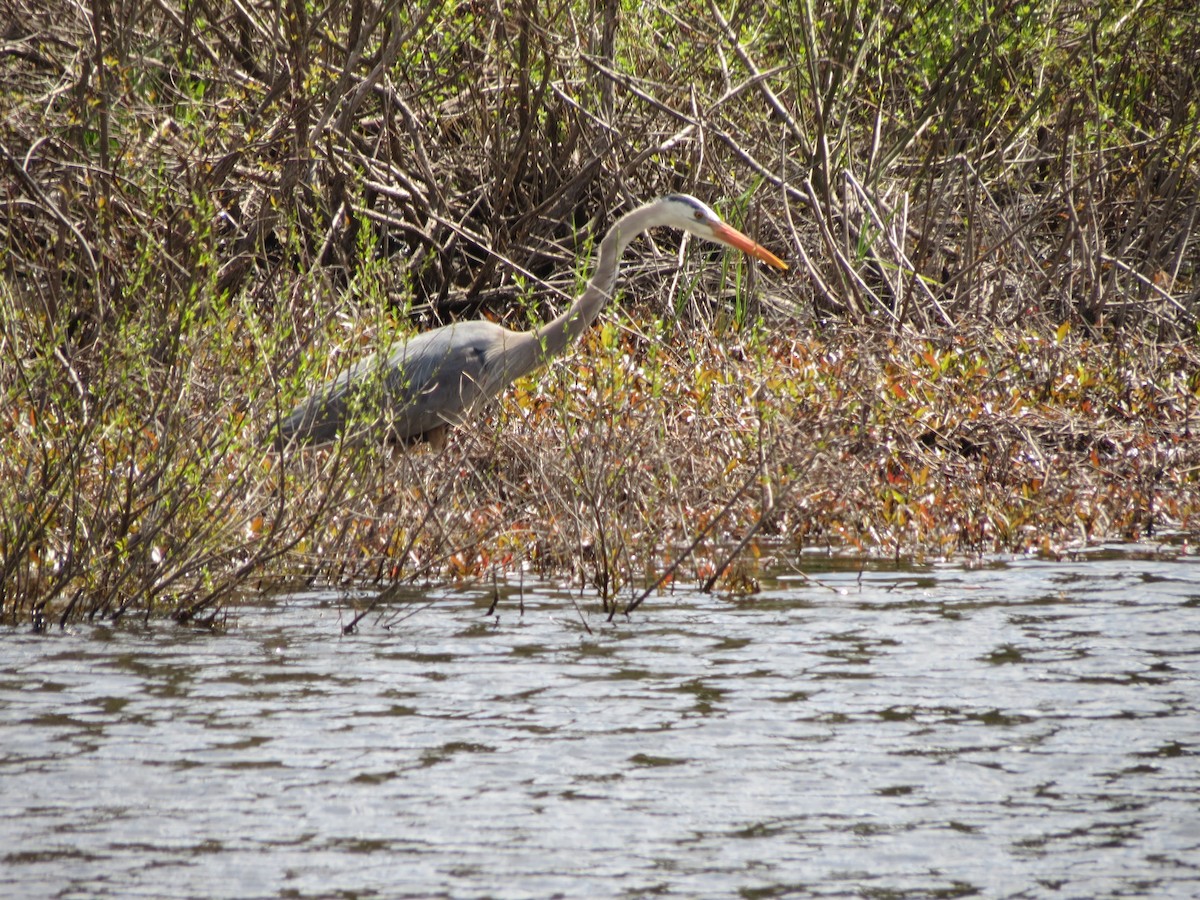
(553, 337)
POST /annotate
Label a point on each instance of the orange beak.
(734, 238)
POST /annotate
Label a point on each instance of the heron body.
(438, 378)
(414, 392)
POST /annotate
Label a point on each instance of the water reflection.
(1027, 728)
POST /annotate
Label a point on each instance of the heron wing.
(428, 381)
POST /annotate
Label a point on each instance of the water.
(1022, 729)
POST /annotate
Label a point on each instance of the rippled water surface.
(1021, 729)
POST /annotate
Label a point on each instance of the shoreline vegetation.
(988, 342)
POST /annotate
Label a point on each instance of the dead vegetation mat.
(988, 342)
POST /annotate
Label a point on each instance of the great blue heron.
(438, 378)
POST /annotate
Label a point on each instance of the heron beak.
(734, 238)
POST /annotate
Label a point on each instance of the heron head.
(689, 214)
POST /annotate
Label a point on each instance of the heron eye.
(698, 215)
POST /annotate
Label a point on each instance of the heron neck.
(555, 335)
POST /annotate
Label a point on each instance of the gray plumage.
(439, 378)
